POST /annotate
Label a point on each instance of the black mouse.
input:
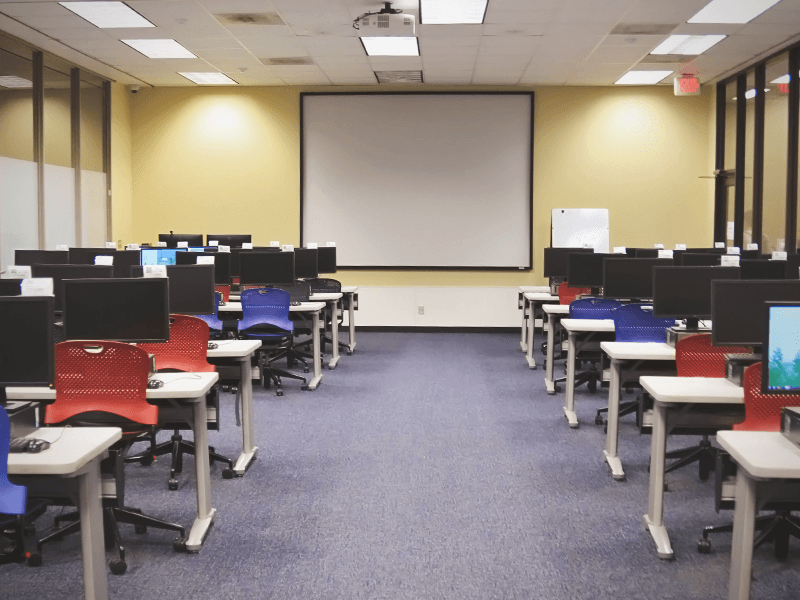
(154, 384)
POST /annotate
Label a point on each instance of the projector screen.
(419, 179)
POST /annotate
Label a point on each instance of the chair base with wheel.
(777, 528)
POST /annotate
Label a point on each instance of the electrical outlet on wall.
(421, 310)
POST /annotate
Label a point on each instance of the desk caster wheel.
(704, 546)
(34, 559)
(305, 369)
(304, 387)
(227, 473)
(140, 529)
(117, 566)
(279, 392)
(349, 353)
(598, 420)
(179, 545)
(557, 388)
(172, 484)
(146, 461)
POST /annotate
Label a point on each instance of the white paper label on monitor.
(665, 254)
(247, 245)
(161, 244)
(155, 270)
(183, 244)
(205, 260)
(311, 245)
(620, 250)
(331, 244)
(62, 247)
(680, 246)
(111, 245)
(781, 244)
(213, 242)
(730, 230)
(779, 255)
(104, 260)
(719, 244)
(274, 244)
(659, 246)
(37, 286)
(734, 250)
(19, 272)
(132, 247)
(752, 246)
(287, 248)
(223, 248)
(587, 246)
(730, 260)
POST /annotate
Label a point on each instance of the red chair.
(224, 290)
(186, 350)
(105, 384)
(567, 295)
(696, 357)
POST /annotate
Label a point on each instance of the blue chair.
(593, 308)
(265, 317)
(13, 498)
(215, 325)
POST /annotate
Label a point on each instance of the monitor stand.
(692, 327)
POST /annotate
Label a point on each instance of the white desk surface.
(534, 289)
(349, 289)
(68, 453)
(303, 307)
(234, 348)
(540, 297)
(638, 350)
(599, 325)
(326, 296)
(763, 454)
(556, 309)
(692, 390)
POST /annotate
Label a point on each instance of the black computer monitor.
(61, 272)
(266, 267)
(707, 250)
(326, 259)
(647, 252)
(41, 257)
(191, 289)
(763, 269)
(234, 241)
(738, 309)
(123, 259)
(630, 279)
(793, 266)
(555, 260)
(10, 287)
(306, 263)
(85, 256)
(586, 270)
(780, 367)
(685, 292)
(159, 256)
(26, 345)
(750, 254)
(222, 264)
(124, 310)
(699, 259)
(172, 239)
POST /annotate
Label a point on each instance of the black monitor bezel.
(18, 287)
(139, 273)
(298, 252)
(61, 255)
(242, 280)
(58, 284)
(239, 238)
(658, 305)
(765, 352)
(550, 255)
(603, 256)
(222, 270)
(633, 262)
(174, 238)
(753, 262)
(322, 259)
(49, 357)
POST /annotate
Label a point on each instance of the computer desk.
(524, 304)
(351, 293)
(534, 299)
(307, 307)
(75, 454)
(333, 306)
(764, 458)
(181, 398)
(554, 312)
(631, 356)
(673, 397)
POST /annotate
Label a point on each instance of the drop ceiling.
(312, 42)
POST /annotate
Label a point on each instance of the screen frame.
(765, 389)
(49, 358)
(677, 269)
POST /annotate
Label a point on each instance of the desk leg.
(351, 314)
(654, 519)
(334, 334)
(569, 400)
(249, 448)
(523, 343)
(317, 361)
(205, 512)
(744, 519)
(549, 385)
(612, 430)
(95, 584)
(531, 343)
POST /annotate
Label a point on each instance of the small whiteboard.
(577, 227)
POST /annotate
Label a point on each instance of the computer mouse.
(154, 384)
(36, 446)
(212, 346)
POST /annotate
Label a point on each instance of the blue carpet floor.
(426, 466)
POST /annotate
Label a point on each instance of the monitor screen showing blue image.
(159, 256)
(781, 373)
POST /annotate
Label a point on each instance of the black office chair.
(299, 291)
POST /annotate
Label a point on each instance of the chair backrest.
(636, 323)
(265, 306)
(593, 308)
(566, 294)
(762, 412)
(321, 285)
(298, 292)
(696, 357)
(225, 290)
(187, 348)
(12, 497)
(101, 376)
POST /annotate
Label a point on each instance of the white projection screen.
(419, 179)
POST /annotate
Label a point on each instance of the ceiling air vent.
(250, 19)
(399, 76)
(642, 29)
(288, 60)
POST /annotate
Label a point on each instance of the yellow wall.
(121, 174)
(223, 160)
(16, 124)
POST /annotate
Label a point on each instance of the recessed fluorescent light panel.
(750, 94)
(209, 78)
(732, 11)
(391, 46)
(159, 48)
(108, 15)
(452, 12)
(782, 79)
(687, 44)
(12, 81)
(642, 77)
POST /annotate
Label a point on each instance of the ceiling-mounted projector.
(387, 22)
